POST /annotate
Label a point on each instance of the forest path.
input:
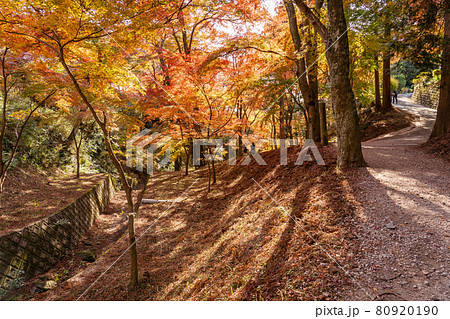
(403, 223)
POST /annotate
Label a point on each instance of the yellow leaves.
(64, 105)
(21, 115)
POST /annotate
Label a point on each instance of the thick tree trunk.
(314, 120)
(346, 116)
(177, 164)
(313, 72)
(377, 85)
(307, 82)
(442, 124)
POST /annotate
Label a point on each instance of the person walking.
(394, 97)
(253, 148)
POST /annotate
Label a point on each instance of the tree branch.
(313, 19)
(36, 38)
(268, 51)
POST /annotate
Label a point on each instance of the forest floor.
(375, 124)
(235, 243)
(276, 232)
(30, 196)
(402, 222)
(438, 146)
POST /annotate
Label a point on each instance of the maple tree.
(77, 37)
(205, 70)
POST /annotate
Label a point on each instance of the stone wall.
(426, 93)
(39, 246)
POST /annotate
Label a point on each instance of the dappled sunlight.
(235, 243)
(412, 193)
(403, 210)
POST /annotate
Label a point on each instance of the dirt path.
(403, 221)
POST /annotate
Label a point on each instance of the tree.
(442, 124)
(377, 84)
(9, 80)
(306, 69)
(67, 35)
(387, 105)
(335, 39)
(80, 133)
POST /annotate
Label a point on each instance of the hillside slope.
(235, 243)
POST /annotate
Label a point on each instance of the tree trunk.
(2, 182)
(78, 160)
(323, 124)
(209, 176)
(377, 86)
(77, 150)
(141, 194)
(282, 122)
(133, 252)
(442, 124)
(274, 125)
(387, 105)
(214, 172)
(307, 78)
(240, 150)
(3, 126)
(186, 168)
(313, 72)
(177, 164)
(189, 152)
(346, 116)
(127, 188)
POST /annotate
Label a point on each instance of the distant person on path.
(253, 148)
(394, 97)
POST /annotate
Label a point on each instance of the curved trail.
(403, 222)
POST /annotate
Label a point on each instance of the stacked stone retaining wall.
(426, 93)
(38, 247)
